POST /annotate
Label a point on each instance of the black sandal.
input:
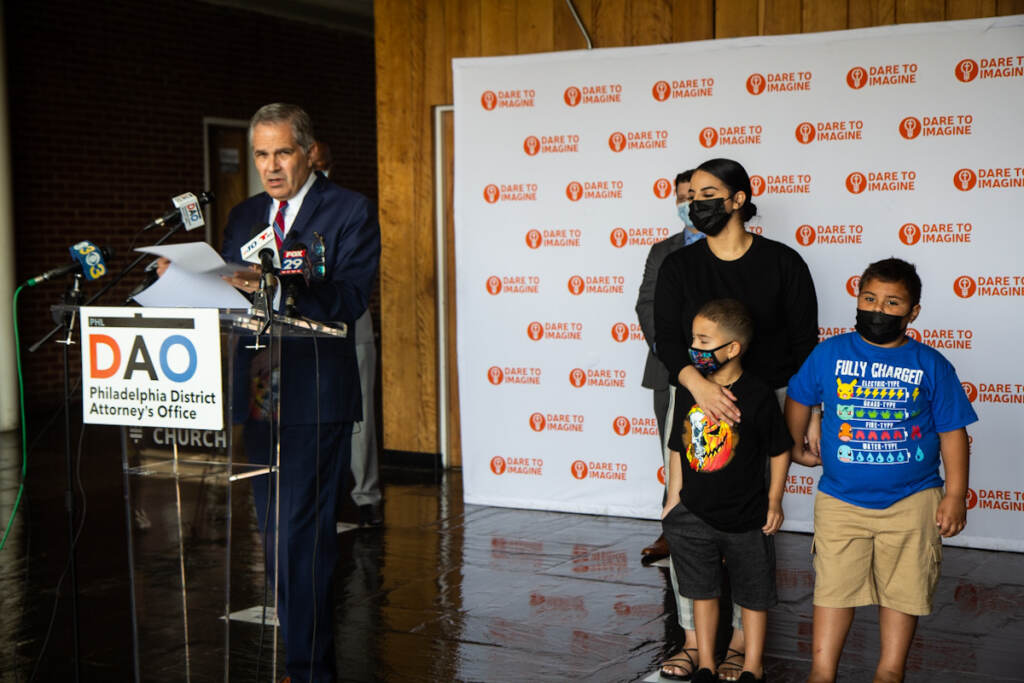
(730, 666)
(681, 659)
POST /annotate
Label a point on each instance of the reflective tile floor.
(443, 592)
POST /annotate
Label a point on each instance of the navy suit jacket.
(348, 223)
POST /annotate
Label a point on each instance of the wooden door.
(228, 173)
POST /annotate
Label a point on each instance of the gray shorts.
(698, 550)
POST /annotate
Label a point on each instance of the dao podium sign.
(152, 367)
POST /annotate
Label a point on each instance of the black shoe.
(748, 677)
(369, 515)
(704, 675)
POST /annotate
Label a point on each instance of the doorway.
(230, 174)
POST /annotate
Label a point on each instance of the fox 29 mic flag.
(861, 145)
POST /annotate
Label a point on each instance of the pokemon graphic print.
(883, 410)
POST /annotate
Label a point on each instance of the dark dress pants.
(308, 540)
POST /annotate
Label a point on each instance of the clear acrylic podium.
(189, 524)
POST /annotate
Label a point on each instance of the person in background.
(655, 375)
(365, 462)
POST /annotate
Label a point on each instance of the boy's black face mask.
(878, 327)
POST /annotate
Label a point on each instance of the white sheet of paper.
(180, 288)
(195, 257)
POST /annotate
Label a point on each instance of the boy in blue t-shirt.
(891, 405)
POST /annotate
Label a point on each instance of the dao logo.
(913, 334)
(708, 137)
(910, 234)
(579, 469)
(533, 239)
(853, 285)
(531, 145)
(965, 179)
(805, 133)
(491, 194)
(537, 422)
(618, 238)
(661, 91)
(498, 465)
(661, 475)
(577, 377)
(620, 425)
(494, 285)
(856, 77)
(140, 360)
(805, 235)
(489, 100)
(755, 84)
(662, 188)
(617, 141)
(495, 375)
(910, 127)
(574, 191)
(965, 286)
(856, 182)
(970, 390)
(535, 331)
(966, 70)
(757, 185)
(576, 285)
(620, 332)
(972, 499)
(571, 96)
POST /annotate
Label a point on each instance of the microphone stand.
(106, 288)
(72, 297)
(264, 299)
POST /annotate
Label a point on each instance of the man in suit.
(655, 372)
(318, 379)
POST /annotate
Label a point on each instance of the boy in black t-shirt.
(719, 505)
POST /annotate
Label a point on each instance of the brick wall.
(106, 106)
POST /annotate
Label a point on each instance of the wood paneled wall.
(416, 41)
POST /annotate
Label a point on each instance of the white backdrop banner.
(864, 144)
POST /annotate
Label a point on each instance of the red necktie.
(279, 225)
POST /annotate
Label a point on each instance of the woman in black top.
(769, 278)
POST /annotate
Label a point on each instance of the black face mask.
(709, 215)
(878, 327)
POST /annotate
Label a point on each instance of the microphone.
(295, 263)
(149, 277)
(262, 250)
(186, 211)
(87, 259)
(317, 258)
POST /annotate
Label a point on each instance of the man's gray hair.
(280, 112)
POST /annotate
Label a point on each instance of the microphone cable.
(67, 564)
(24, 433)
(316, 496)
(271, 497)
